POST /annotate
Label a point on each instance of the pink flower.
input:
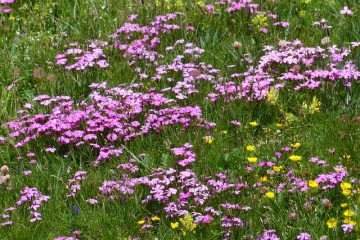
(27, 172)
(92, 201)
(207, 219)
(346, 11)
(347, 228)
(50, 149)
(7, 223)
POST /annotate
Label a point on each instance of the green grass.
(34, 33)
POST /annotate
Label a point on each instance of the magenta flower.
(303, 236)
(346, 11)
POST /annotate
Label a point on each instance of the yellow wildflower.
(208, 139)
(270, 195)
(331, 223)
(296, 145)
(141, 222)
(188, 224)
(348, 220)
(344, 205)
(155, 218)
(254, 124)
(250, 148)
(252, 159)
(259, 21)
(174, 225)
(295, 158)
(346, 188)
(302, 13)
(272, 96)
(277, 168)
(348, 213)
(179, 4)
(313, 184)
(345, 185)
(201, 3)
(264, 179)
(289, 117)
(346, 192)
(315, 105)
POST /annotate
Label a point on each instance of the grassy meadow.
(169, 119)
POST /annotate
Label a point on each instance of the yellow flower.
(201, 3)
(315, 105)
(264, 179)
(141, 222)
(174, 225)
(346, 188)
(289, 117)
(345, 185)
(260, 21)
(349, 213)
(270, 195)
(250, 148)
(279, 125)
(295, 158)
(254, 123)
(313, 184)
(344, 205)
(252, 159)
(277, 168)
(224, 132)
(302, 13)
(348, 220)
(155, 218)
(306, 1)
(331, 223)
(179, 4)
(346, 192)
(272, 96)
(208, 139)
(346, 156)
(296, 145)
(188, 224)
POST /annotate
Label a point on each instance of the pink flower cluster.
(6, 9)
(292, 65)
(74, 183)
(182, 192)
(83, 59)
(185, 152)
(34, 198)
(346, 11)
(238, 5)
(74, 236)
(135, 41)
(269, 235)
(109, 118)
(140, 42)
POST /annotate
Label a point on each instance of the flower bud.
(326, 203)
(4, 170)
(307, 206)
(292, 216)
(237, 45)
